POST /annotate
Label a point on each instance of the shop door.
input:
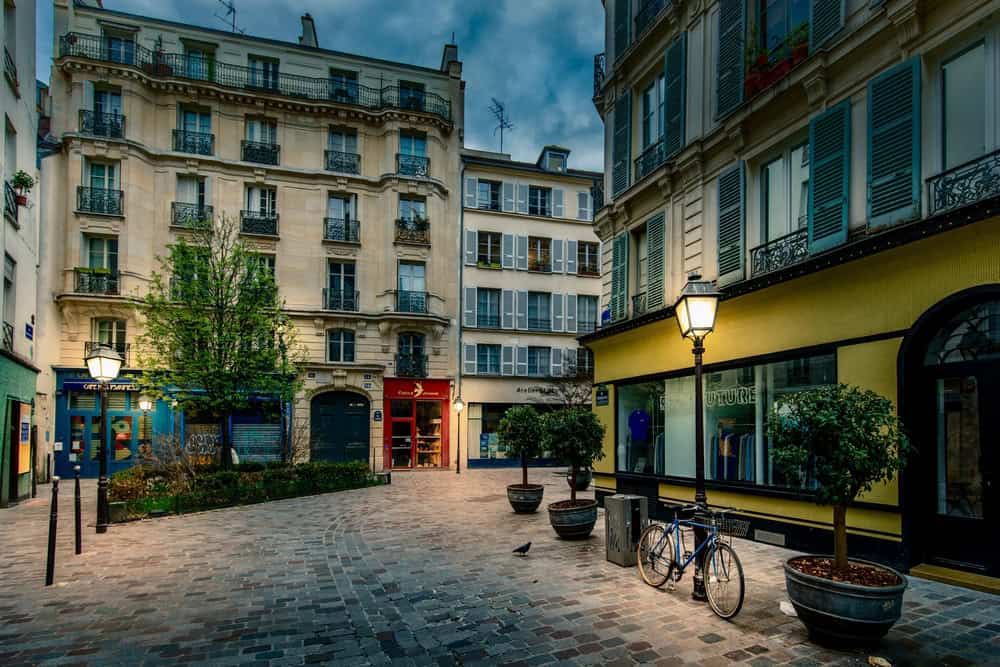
(402, 436)
(83, 446)
(340, 423)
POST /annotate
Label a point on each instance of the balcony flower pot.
(525, 498)
(583, 479)
(800, 52)
(22, 182)
(22, 200)
(576, 436)
(520, 433)
(573, 519)
(752, 83)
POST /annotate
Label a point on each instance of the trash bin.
(625, 517)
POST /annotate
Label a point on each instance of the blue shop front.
(137, 438)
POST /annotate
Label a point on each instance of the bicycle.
(663, 556)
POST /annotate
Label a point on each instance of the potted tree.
(520, 432)
(839, 441)
(577, 437)
(22, 182)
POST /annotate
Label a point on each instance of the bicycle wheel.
(724, 584)
(655, 554)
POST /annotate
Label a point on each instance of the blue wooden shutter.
(619, 276)
(655, 229)
(829, 180)
(622, 21)
(826, 19)
(894, 145)
(729, 63)
(675, 68)
(731, 212)
(621, 144)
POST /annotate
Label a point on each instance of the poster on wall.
(24, 449)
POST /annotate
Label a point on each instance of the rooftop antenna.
(499, 109)
(230, 17)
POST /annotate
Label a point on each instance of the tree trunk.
(227, 457)
(840, 538)
(524, 471)
(572, 483)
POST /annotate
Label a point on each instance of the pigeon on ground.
(522, 550)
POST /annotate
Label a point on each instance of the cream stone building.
(343, 173)
(530, 285)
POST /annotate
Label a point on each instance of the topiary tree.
(520, 431)
(576, 436)
(845, 439)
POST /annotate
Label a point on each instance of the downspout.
(461, 296)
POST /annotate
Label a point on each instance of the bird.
(522, 550)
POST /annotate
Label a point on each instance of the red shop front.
(416, 431)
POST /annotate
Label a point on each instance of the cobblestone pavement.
(417, 573)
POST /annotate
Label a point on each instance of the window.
(340, 346)
(539, 311)
(539, 359)
(411, 95)
(344, 86)
(191, 190)
(103, 176)
(784, 193)
(199, 62)
(780, 21)
(586, 313)
(540, 201)
(102, 252)
(648, 120)
(488, 308)
(411, 344)
(195, 120)
(587, 261)
(487, 359)
(110, 332)
(641, 260)
(262, 202)
(412, 144)
(539, 258)
(412, 297)
(119, 48)
(263, 72)
(412, 209)
(340, 207)
(489, 195)
(266, 263)
(964, 106)
(9, 293)
(342, 140)
(555, 161)
(584, 362)
(341, 280)
(489, 249)
(107, 101)
(262, 130)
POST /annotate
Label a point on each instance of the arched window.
(340, 345)
(972, 335)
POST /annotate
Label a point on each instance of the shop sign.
(417, 389)
(601, 396)
(738, 395)
(29, 331)
(57, 446)
(377, 416)
(24, 449)
(90, 385)
(536, 389)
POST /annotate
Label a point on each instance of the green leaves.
(520, 431)
(574, 435)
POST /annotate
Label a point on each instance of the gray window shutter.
(507, 251)
(829, 178)
(471, 185)
(522, 361)
(507, 309)
(558, 305)
(557, 255)
(571, 250)
(583, 206)
(469, 367)
(729, 60)
(621, 147)
(558, 204)
(894, 145)
(522, 198)
(619, 276)
(675, 69)
(508, 196)
(623, 19)
(522, 253)
(655, 230)
(826, 19)
(507, 360)
(556, 355)
(469, 307)
(522, 309)
(731, 212)
(471, 246)
(571, 313)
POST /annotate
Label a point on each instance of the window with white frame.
(965, 104)
(784, 187)
(648, 121)
(262, 201)
(340, 346)
(539, 359)
(487, 359)
(586, 313)
(110, 332)
(263, 72)
(489, 249)
(101, 252)
(488, 308)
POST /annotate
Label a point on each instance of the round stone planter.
(574, 522)
(525, 499)
(836, 613)
(583, 479)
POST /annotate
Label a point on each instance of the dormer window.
(555, 161)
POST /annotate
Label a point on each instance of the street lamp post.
(103, 364)
(695, 311)
(459, 405)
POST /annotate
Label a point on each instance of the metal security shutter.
(257, 442)
(622, 144)
(894, 145)
(655, 230)
(829, 162)
(674, 68)
(826, 20)
(619, 276)
(731, 223)
(729, 63)
(623, 17)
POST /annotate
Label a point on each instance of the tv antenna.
(230, 17)
(499, 109)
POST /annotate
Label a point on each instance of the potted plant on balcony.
(577, 437)
(520, 432)
(839, 441)
(755, 62)
(798, 42)
(22, 183)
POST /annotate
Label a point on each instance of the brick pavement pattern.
(416, 573)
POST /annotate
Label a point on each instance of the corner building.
(832, 165)
(341, 170)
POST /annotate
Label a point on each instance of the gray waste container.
(625, 518)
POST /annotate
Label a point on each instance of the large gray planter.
(573, 523)
(525, 499)
(837, 613)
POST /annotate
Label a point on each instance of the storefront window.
(121, 431)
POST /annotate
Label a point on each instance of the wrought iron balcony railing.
(781, 252)
(411, 365)
(102, 201)
(344, 163)
(97, 124)
(413, 230)
(968, 183)
(10, 72)
(264, 223)
(8, 336)
(122, 348)
(199, 143)
(183, 214)
(600, 68)
(413, 165)
(10, 202)
(341, 300)
(487, 320)
(585, 326)
(260, 152)
(182, 66)
(645, 18)
(649, 160)
(539, 324)
(411, 302)
(638, 304)
(340, 229)
(95, 281)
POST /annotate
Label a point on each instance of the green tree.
(216, 338)
(844, 439)
(520, 431)
(576, 436)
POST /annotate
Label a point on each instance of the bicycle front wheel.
(724, 584)
(655, 554)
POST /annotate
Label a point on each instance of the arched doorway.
(951, 407)
(339, 427)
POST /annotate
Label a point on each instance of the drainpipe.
(461, 297)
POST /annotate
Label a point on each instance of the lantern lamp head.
(696, 307)
(145, 403)
(103, 363)
(458, 404)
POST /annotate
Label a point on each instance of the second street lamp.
(103, 364)
(459, 405)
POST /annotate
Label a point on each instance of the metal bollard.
(79, 529)
(50, 563)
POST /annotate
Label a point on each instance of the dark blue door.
(339, 427)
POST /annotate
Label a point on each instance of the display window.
(417, 432)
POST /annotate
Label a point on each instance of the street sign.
(601, 396)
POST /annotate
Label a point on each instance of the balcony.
(411, 365)
(341, 230)
(412, 165)
(584, 327)
(413, 230)
(8, 336)
(179, 66)
(539, 324)
(487, 321)
(183, 214)
(100, 201)
(645, 18)
(341, 300)
(259, 223)
(965, 184)
(638, 304)
(123, 349)
(260, 152)
(781, 252)
(765, 67)
(600, 68)
(198, 143)
(343, 163)
(95, 281)
(97, 124)
(651, 158)
(10, 72)
(411, 302)
(10, 209)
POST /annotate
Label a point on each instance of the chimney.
(308, 37)
(448, 56)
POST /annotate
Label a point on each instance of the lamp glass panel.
(701, 311)
(683, 321)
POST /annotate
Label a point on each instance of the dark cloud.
(535, 55)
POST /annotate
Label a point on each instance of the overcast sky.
(534, 55)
